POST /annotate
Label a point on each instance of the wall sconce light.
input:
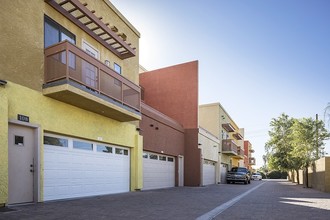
(151, 125)
(156, 128)
(3, 82)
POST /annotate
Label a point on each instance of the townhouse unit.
(210, 157)
(249, 160)
(70, 101)
(216, 120)
(163, 150)
(173, 91)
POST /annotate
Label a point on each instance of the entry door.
(181, 170)
(223, 170)
(90, 71)
(20, 164)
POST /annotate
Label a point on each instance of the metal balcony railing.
(229, 146)
(65, 61)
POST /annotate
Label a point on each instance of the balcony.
(240, 153)
(252, 161)
(238, 136)
(228, 127)
(229, 147)
(74, 77)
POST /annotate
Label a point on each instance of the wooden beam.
(91, 16)
(64, 2)
(72, 10)
(88, 22)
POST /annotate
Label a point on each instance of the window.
(117, 68)
(55, 33)
(121, 151)
(170, 159)
(82, 145)
(162, 158)
(104, 149)
(60, 142)
(19, 140)
(145, 155)
(153, 156)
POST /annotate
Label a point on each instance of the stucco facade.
(174, 92)
(211, 152)
(162, 135)
(249, 160)
(22, 66)
(216, 120)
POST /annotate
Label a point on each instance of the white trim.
(85, 45)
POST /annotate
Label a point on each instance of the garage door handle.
(31, 170)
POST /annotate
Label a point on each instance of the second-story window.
(117, 68)
(55, 33)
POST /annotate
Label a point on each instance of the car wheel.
(245, 182)
(249, 181)
(228, 182)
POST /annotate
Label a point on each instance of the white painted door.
(181, 170)
(80, 168)
(208, 173)
(158, 171)
(20, 164)
(223, 171)
(89, 73)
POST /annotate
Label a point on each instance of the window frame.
(115, 66)
(61, 30)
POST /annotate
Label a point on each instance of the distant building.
(216, 120)
(249, 160)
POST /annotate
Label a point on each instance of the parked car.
(238, 174)
(256, 176)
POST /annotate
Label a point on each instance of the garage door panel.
(158, 174)
(208, 174)
(71, 173)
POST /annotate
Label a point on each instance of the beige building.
(211, 157)
(216, 120)
(70, 101)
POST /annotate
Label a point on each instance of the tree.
(307, 141)
(295, 143)
(279, 146)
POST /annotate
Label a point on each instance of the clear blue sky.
(258, 58)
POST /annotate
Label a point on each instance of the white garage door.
(208, 172)
(76, 168)
(158, 171)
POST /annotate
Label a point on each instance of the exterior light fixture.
(3, 82)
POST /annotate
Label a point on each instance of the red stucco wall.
(174, 91)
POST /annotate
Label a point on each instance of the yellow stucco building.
(217, 121)
(70, 101)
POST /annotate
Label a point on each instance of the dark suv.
(238, 174)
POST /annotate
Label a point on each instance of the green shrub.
(275, 174)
